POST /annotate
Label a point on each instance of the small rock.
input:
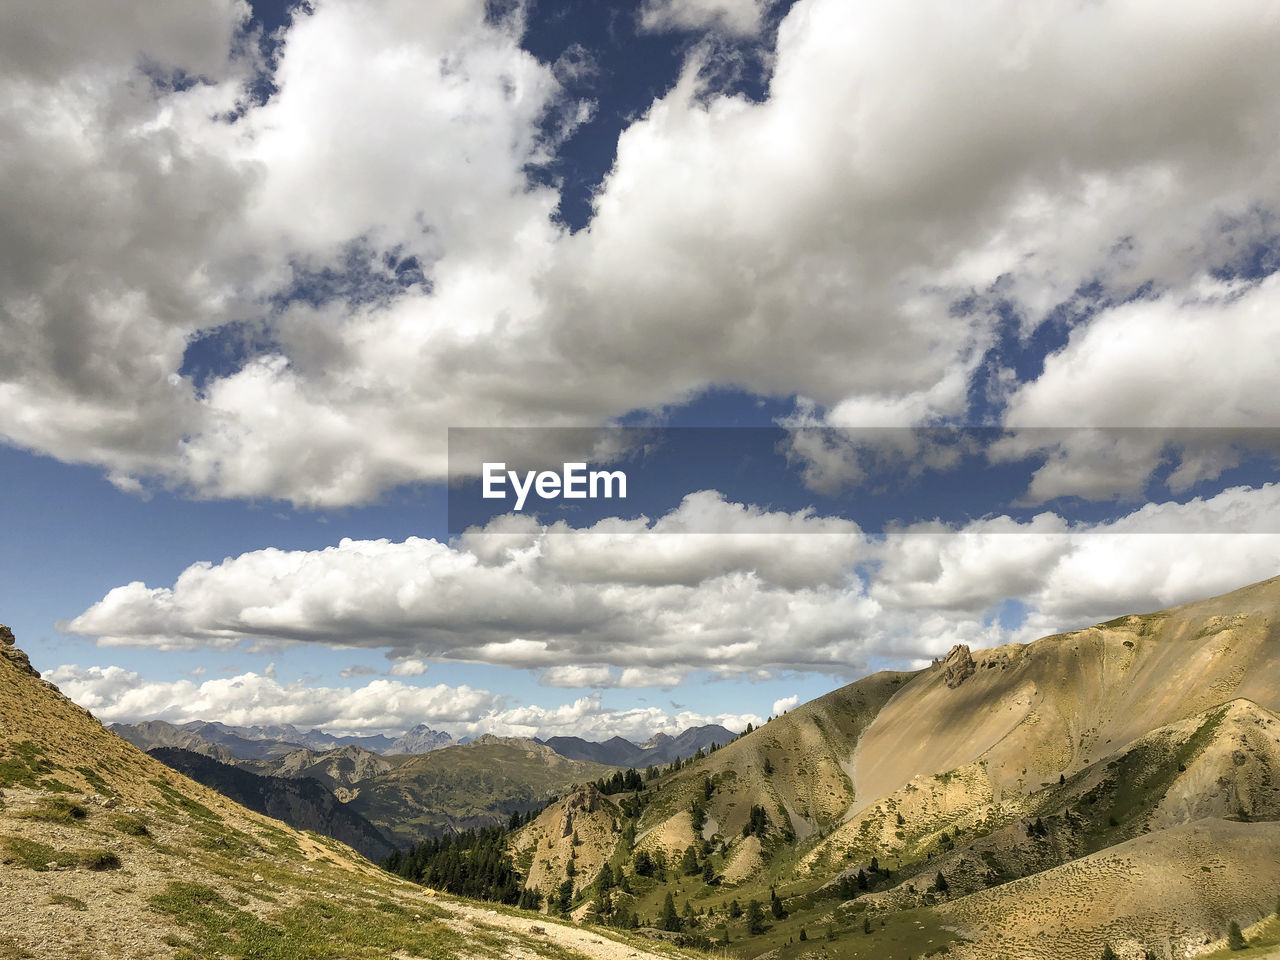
(257, 878)
(537, 929)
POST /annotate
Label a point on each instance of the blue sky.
(260, 259)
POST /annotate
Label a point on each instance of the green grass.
(98, 860)
(63, 900)
(131, 824)
(33, 854)
(37, 856)
(315, 929)
(1261, 941)
(181, 801)
(53, 810)
(23, 765)
(94, 780)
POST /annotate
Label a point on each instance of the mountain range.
(107, 852)
(232, 744)
(658, 749)
(1111, 788)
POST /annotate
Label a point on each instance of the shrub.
(133, 825)
(98, 860)
(54, 810)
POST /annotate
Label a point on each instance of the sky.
(911, 325)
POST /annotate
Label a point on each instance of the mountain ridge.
(910, 811)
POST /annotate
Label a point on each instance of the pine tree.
(803, 936)
(670, 920)
(775, 906)
(644, 865)
(1108, 953)
(755, 918)
(708, 873)
(940, 883)
(735, 909)
(689, 862)
(1235, 937)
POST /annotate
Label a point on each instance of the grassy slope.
(104, 851)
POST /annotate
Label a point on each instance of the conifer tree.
(1235, 937)
(775, 906)
(755, 918)
(669, 920)
(689, 862)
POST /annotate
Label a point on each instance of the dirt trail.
(588, 942)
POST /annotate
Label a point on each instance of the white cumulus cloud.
(904, 157)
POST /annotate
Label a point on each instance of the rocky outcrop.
(421, 739)
(13, 654)
(957, 666)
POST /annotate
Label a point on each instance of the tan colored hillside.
(1053, 706)
(583, 826)
(807, 752)
(1175, 885)
(1085, 768)
(105, 852)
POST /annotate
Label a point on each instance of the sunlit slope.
(106, 852)
(1222, 763)
(1037, 711)
(795, 767)
(1173, 890)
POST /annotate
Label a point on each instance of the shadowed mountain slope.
(302, 803)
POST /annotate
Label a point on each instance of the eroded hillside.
(972, 804)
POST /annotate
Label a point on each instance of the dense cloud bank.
(367, 250)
